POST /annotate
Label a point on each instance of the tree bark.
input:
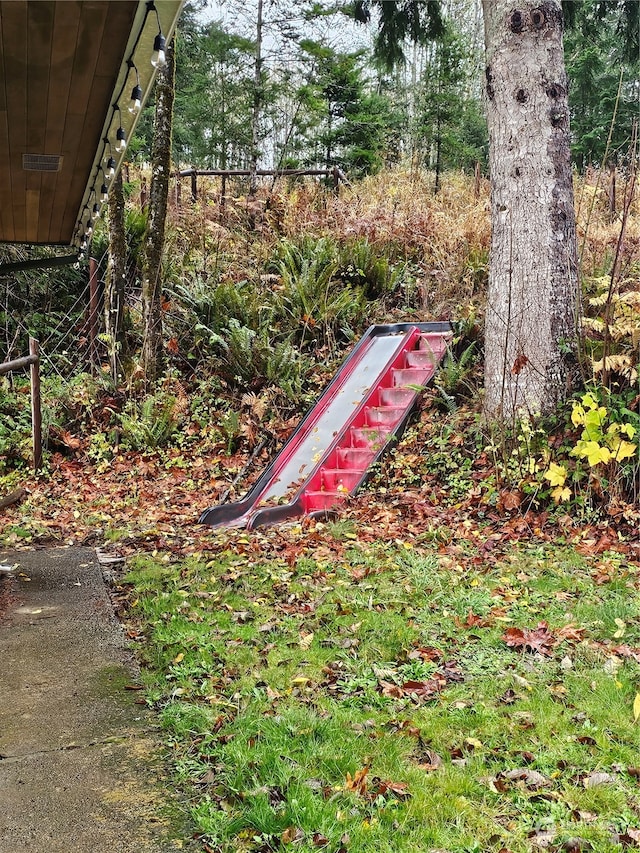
(114, 294)
(152, 352)
(530, 333)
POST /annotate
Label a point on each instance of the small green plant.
(606, 446)
(363, 266)
(150, 424)
(15, 425)
(312, 301)
(454, 376)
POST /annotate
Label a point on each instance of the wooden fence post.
(223, 193)
(194, 186)
(36, 405)
(477, 175)
(336, 180)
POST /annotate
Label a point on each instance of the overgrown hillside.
(261, 301)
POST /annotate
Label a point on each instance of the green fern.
(454, 376)
(313, 301)
(150, 424)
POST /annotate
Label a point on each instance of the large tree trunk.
(530, 338)
(116, 273)
(152, 353)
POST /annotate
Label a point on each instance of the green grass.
(280, 672)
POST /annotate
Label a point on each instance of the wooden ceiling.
(63, 64)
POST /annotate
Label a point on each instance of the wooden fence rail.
(336, 173)
(32, 361)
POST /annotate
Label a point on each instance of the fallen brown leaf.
(358, 782)
(538, 639)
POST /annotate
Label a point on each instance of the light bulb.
(158, 57)
(111, 167)
(95, 212)
(104, 193)
(136, 99)
(121, 138)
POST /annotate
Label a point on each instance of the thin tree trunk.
(152, 353)
(116, 274)
(257, 105)
(530, 335)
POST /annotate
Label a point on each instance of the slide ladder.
(362, 410)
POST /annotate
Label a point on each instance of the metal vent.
(42, 162)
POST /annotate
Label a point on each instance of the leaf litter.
(409, 656)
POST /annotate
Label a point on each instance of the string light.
(109, 162)
(121, 136)
(159, 56)
(95, 210)
(136, 99)
(136, 92)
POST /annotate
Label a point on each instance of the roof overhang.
(68, 70)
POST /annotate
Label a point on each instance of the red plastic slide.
(362, 410)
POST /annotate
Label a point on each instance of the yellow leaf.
(556, 474)
(473, 742)
(636, 708)
(594, 452)
(628, 429)
(624, 450)
(306, 641)
(561, 494)
(621, 629)
(577, 416)
(179, 657)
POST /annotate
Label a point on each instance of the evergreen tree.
(354, 126)
(399, 21)
(213, 97)
(604, 80)
(451, 128)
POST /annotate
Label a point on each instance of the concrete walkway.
(76, 751)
